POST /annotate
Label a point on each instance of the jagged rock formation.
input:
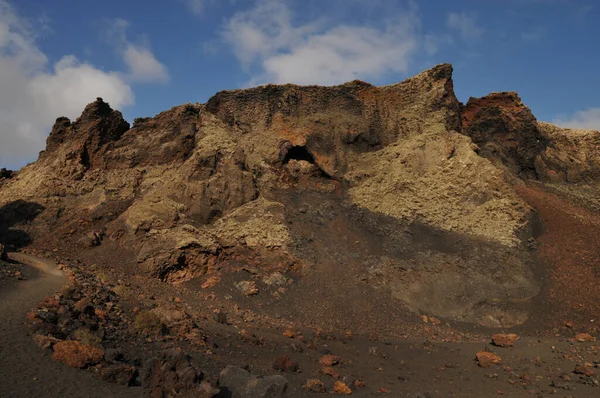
(201, 189)
(506, 132)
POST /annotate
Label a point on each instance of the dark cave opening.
(298, 153)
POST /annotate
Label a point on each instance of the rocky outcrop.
(90, 136)
(506, 132)
(209, 188)
(572, 155)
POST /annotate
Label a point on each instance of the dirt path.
(25, 371)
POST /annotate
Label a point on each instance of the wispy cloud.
(272, 47)
(466, 25)
(585, 119)
(142, 65)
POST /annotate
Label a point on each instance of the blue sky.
(147, 56)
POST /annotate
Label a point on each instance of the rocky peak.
(98, 126)
(505, 130)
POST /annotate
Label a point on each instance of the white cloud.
(275, 49)
(33, 93)
(586, 119)
(465, 24)
(142, 65)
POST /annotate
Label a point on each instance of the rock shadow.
(14, 215)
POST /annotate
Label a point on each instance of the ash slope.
(361, 195)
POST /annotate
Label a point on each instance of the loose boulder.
(239, 383)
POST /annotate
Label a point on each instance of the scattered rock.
(341, 388)
(220, 317)
(118, 374)
(238, 382)
(113, 355)
(171, 372)
(289, 333)
(315, 385)
(149, 323)
(247, 288)
(485, 359)
(276, 278)
(3, 255)
(584, 337)
(504, 340)
(584, 369)
(211, 281)
(76, 354)
(285, 364)
(329, 371)
(45, 342)
(329, 360)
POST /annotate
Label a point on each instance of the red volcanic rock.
(505, 130)
(76, 354)
(486, 359)
(504, 340)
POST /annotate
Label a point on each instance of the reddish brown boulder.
(504, 340)
(329, 360)
(285, 364)
(584, 337)
(76, 354)
(486, 359)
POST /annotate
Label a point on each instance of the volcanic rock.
(76, 354)
(238, 382)
(486, 359)
(506, 132)
(504, 340)
(171, 372)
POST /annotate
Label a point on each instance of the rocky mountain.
(397, 194)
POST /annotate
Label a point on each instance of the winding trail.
(25, 370)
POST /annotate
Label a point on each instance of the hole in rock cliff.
(298, 153)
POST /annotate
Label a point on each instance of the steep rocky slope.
(398, 192)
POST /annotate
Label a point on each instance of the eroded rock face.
(506, 132)
(572, 156)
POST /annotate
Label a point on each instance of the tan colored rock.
(571, 156)
(76, 354)
(315, 386)
(45, 342)
(329, 360)
(584, 337)
(504, 340)
(341, 388)
(486, 359)
(247, 288)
